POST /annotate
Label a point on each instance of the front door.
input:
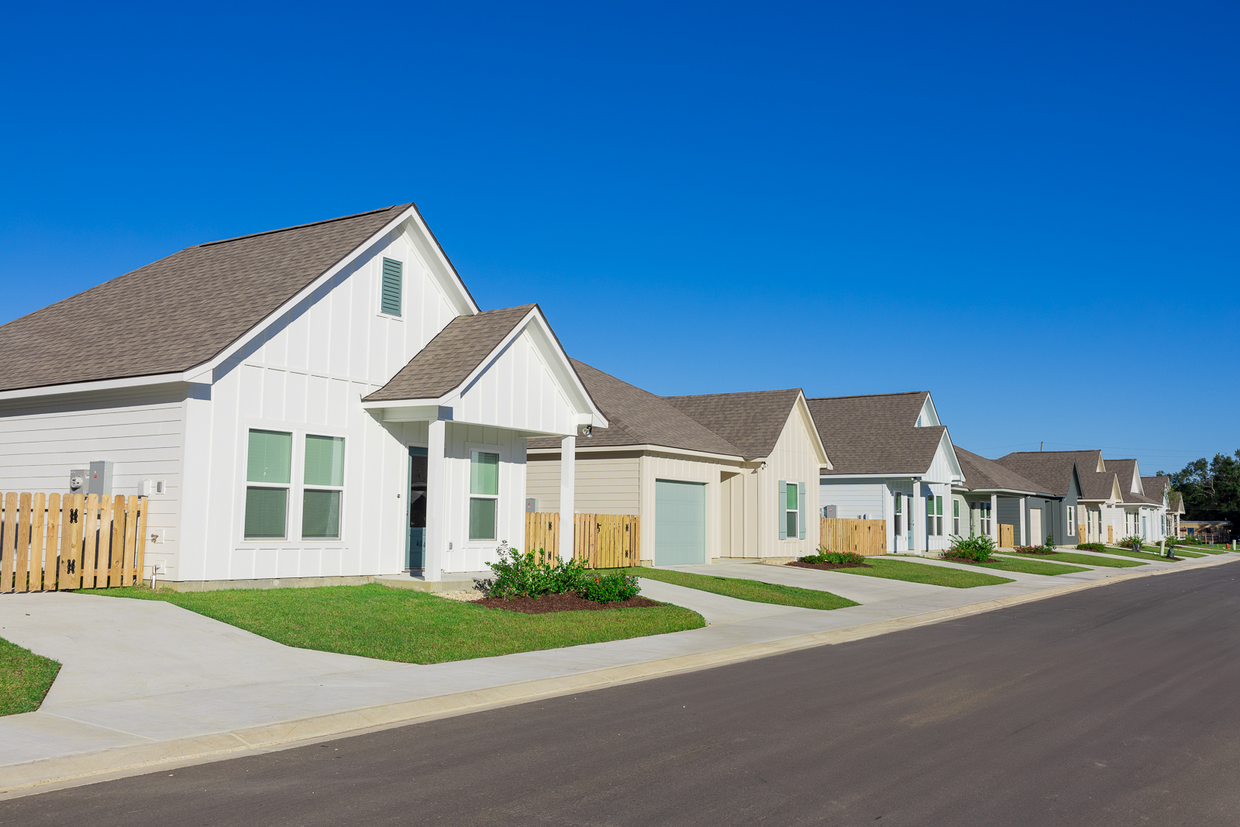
(1035, 527)
(415, 542)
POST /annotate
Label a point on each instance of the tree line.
(1211, 489)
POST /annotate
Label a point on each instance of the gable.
(928, 416)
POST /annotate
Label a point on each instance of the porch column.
(994, 518)
(917, 519)
(436, 499)
(568, 485)
(1024, 504)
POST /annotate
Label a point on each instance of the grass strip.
(921, 573)
(375, 621)
(1137, 555)
(1082, 559)
(1026, 566)
(25, 678)
(753, 590)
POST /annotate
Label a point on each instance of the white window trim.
(293, 511)
(305, 486)
(500, 510)
(795, 535)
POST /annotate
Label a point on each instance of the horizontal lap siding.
(793, 459)
(854, 500)
(608, 485)
(140, 430)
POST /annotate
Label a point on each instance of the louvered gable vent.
(393, 276)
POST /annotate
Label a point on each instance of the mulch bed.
(960, 560)
(1035, 551)
(801, 565)
(568, 602)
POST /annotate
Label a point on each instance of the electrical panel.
(99, 479)
(829, 511)
(531, 505)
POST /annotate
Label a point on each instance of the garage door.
(679, 523)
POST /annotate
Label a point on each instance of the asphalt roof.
(449, 358)
(638, 417)
(1051, 470)
(982, 474)
(180, 311)
(752, 420)
(875, 434)
(1126, 470)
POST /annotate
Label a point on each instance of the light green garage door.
(679, 523)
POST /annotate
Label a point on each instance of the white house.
(713, 477)
(321, 403)
(893, 460)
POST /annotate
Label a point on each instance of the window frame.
(294, 498)
(956, 516)
(308, 487)
(795, 511)
(470, 496)
(248, 484)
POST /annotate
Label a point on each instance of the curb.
(118, 762)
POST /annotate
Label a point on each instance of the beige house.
(713, 477)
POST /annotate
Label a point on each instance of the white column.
(994, 518)
(568, 486)
(1021, 541)
(917, 519)
(436, 501)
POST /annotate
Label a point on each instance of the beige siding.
(794, 460)
(686, 469)
(607, 484)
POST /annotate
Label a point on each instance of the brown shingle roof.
(180, 311)
(1156, 487)
(982, 474)
(449, 358)
(1126, 470)
(1051, 470)
(752, 421)
(875, 434)
(638, 417)
(1096, 485)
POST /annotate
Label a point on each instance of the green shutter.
(782, 512)
(265, 510)
(270, 458)
(393, 278)
(324, 460)
(320, 515)
(801, 510)
(484, 473)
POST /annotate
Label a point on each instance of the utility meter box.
(531, 505)
(829, 511)
(77, 480)
(99, 480)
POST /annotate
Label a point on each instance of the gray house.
(1053, 512)
(993, 495)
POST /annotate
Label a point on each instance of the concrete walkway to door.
(147, 685)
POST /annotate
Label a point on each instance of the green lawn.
(1082, 559)
(753, 590)
(922, 573)
(1138, 555)
(1027, 566)
(411, 627)
(24, 678)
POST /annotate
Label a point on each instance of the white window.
(899, 514)
(956, 517)
(792, 510)
(934, 515)
(1072, 530)
(483, 495)
(983, 512)
(324, 487)
(269, 463)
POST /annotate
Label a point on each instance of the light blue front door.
(679, 523)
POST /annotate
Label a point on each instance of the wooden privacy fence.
(865, 537)
(600, 541)
(55, 542)
(1007, 536)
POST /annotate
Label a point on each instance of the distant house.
(307, 405)
(1141, 513)
(1051, 515)
(992, 495)
(892, 459)
(1208, 531)
(713, 477)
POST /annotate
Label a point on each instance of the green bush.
(521, 575)
(847, 558)
(1134, 542)
(1046, 549)
(608, 588)
(975, 547)
(1091, 547)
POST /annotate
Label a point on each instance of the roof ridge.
(300, 226)
(730, 393)
(865, 395)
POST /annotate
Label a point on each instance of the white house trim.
(100, 385)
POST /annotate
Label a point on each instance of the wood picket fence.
(600, 541)
(864, 537)
(54, 542)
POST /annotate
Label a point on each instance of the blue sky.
(1030, 210)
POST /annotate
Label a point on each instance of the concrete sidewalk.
(147, 685)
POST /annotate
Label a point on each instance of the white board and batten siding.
(141, 430)
(305, 374)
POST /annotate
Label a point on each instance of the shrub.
(975, 547)
(1046, 549)
(522, 575)
(608, 588)
(1050, 541)
(1134, 542)
(823, 555)
(1091, 547)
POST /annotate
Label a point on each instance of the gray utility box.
(829, 512)
(99, 481)
(531, 505)
(77, 480)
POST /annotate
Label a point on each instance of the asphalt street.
(1116, 705)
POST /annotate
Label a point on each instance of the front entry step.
(451, 582)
